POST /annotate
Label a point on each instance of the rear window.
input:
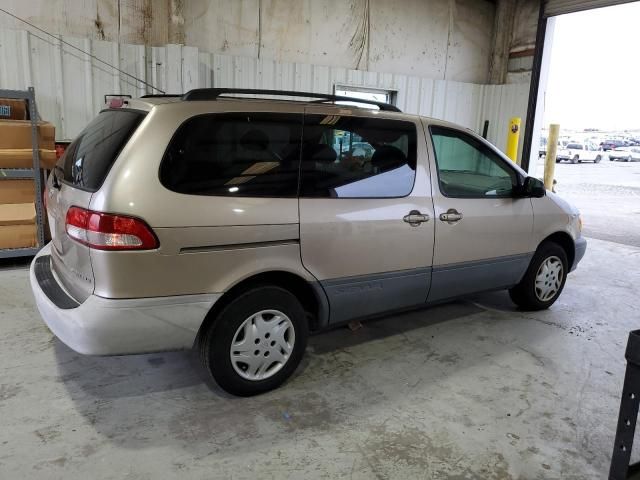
(88, 159)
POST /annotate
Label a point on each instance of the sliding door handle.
(452, 216)
(415, 218)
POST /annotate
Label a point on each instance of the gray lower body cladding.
(369, 295)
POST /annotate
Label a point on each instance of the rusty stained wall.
(523, 41)
(152, 22)
(525, 25)
(441, 39)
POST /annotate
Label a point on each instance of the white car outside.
(577, 152)
(625, 154)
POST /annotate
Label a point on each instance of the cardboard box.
(18, 236)
(17, 191)
(23, 158)
(16, 134)
(13, 109)
(17, 214)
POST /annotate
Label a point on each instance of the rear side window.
(351, 157)
(574, 146)
(235, 154)
(88, 159)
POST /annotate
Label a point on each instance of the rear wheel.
(256, 342)
(544, 279)
(598, 158)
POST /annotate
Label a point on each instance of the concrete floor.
(471, 389)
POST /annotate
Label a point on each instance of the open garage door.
(548, 9)
(560, 7)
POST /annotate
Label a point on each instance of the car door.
(483, 234)
(366, 213)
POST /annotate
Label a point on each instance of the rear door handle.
(415, 218)
(452, 216)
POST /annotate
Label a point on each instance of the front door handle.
(415, 218)
(452, 216)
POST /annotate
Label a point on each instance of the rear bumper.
(581, 248)
(101, 326)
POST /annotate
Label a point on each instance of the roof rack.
(158, 95)
(214, 93)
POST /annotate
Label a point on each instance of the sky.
(594, 76)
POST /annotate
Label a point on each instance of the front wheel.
(256, 342)
(544, 279)
(575, 159)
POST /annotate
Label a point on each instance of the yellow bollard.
(513, 137)
(550, 157)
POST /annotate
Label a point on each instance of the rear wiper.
(55, 183)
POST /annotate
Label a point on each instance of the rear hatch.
(79, 173)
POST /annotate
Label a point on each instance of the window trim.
(295, 196)
(485, 144)
(413, 185)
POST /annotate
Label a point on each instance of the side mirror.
(532, 187)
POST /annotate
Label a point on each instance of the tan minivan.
(239, 225)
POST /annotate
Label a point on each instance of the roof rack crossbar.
(163, 95)
(214, 93)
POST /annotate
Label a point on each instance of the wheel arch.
(566, 242)
(310, 294)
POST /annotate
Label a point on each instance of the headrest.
(388, 157)
(322, 153)
(255, 140)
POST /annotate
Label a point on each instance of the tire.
(525, 294)
(558, 160)
(575, 159)
(597, 160)
(628, 159)
(255, 309)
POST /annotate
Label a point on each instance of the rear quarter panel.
(207, 243)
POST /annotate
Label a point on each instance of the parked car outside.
(578, 152)
(542, 151)
(625, 154)
(610, 144)
(231, 225)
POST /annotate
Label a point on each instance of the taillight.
(105, 231)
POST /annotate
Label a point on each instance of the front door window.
(469, 169)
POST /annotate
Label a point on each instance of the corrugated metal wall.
(70, 85)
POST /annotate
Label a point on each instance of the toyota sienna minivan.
(239, 225)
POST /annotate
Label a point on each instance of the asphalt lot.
(607, 194)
